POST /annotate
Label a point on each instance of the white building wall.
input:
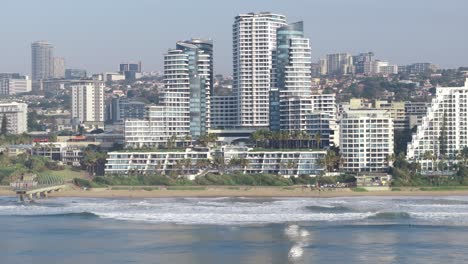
(254, 39)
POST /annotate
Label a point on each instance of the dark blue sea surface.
(235, 230)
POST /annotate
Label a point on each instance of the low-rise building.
(281, 162)
(11, 84)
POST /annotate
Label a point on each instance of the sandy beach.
(238, 191)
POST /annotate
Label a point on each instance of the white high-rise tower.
(254, 39)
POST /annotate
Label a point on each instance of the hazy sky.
(98, 34)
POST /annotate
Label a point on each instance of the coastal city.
(253, 132)
(347, 120)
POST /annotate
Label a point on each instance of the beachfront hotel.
(443, 131)
(282, 162)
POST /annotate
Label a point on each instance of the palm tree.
(428, 155)
(203, 164)
(291, 165)
(238, 163)
(318, 139)
(219, 163)
(329, 161)
(258, 136)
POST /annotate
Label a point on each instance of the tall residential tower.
(254, 39)
(42, 60)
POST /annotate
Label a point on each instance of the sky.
(97, 35)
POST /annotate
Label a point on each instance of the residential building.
(339, 64)
(75, 74)
(223, 111)
(16, 115)
(122, 108)
(131, 71)
(378, 67)
(42, 60)
(395, 109)
(59, 68)
(281, 162)
(254, 40)
(361, 60)
(415, 111)
(184, 109)
(88, 102)
(443, 131)
(14, 84)
(366, 140)
(292, 106)
(155, 162)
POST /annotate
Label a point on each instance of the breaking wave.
(245, 211)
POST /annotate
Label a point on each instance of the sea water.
(235, 230)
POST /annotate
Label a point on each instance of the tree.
(318, 138)
(330, 161)
(238, 163)
(208, 139)
(4, 129)
(291, 166)
(219, 163)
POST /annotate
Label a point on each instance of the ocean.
(235, 230)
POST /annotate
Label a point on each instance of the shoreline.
(250, 192)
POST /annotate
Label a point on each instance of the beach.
(237, 191)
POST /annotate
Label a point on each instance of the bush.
(244, 179)
(185, 188)
(82, 182)
(359, 189)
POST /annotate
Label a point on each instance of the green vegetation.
(359, 189)
(376, 87)
(265, 139)
(445, 188)
(185, 188)
(396, 189)
(86, 183)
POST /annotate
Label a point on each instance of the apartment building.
(16, 115)
(366, 140)
(443, 131)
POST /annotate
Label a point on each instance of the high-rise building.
(11, 84)
(184, 109)
(130, 70)
(76, 74)
(379, 67)
(361, 60)
(16, 115)
(88, 102)
(339, 64)
(366, 140)
(59, 68)
(443, 131)
(42, 60)
(254, 39)
(292, 61)
(292, 105)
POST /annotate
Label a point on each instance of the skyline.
(104, 37)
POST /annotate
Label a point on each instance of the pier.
(36, 187)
